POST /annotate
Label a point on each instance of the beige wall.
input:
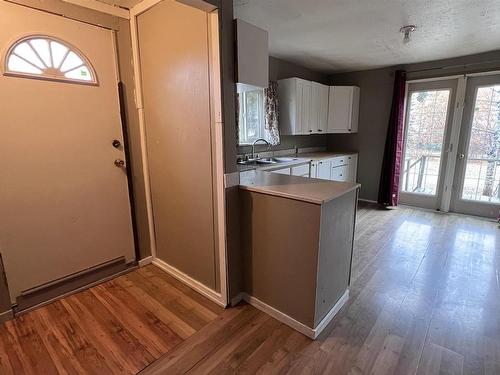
(176, 90)
(280, 245)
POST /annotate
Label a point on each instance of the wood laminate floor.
(425, 299)
(118, 327)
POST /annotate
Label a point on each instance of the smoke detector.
(407, 30)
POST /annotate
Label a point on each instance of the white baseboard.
(145, 261)
(189, 281)
(367, 201)
(331, 314)
(312, 333)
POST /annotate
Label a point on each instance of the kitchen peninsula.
(297, 241)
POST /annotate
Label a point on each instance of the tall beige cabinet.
(177, 117)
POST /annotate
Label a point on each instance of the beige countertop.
(301, 158)
(299, 188)
(313, 156)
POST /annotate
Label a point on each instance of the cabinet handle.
(310, 131)
(350, 130)
(320, 130)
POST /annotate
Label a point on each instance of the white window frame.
(49, 74)
(243, 119)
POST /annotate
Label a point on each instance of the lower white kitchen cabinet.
(340, 168)
(323, 170)
(301, 170)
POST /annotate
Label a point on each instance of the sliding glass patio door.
(477, 177)
(429, 118)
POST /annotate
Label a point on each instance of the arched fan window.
(48, 58)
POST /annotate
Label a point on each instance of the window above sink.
(251, 116)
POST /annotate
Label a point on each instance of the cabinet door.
(324, 170)
(314, 169)
(353, 168)
(302, 171)
(323, 108)
(342, 109)
(318, 122)
(340, 173)
(314, 121)
(303, 106)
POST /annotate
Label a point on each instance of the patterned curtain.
(237, 101)
(271, 113)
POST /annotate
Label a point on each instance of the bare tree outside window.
(482, 176)
(251, 111)
(427, 115)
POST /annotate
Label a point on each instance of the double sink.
(273, 160)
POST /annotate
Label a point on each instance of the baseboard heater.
(55, 289)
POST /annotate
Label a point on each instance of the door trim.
(420, 199)
(128, 167)
(101, 7)
(217, 132)
(449, 173)
(453, 179)
(459, 204)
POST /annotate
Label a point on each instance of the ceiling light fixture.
(407, 30)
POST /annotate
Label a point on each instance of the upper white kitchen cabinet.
(294, 97)
(318, 116)
(303, 107)
(343, 109)
(252, 51)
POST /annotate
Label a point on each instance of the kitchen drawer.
(341, 160)
(314, 170)
(301, 170)
(340, 173)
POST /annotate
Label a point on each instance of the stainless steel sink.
(266, 161)
(285, 160)
(273, 160)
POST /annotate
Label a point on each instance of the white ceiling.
(349, 35)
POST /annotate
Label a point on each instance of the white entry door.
(429, 118)
(477, 180)
(64, 203)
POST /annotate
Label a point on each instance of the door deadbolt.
(119, 163)
(116, 143)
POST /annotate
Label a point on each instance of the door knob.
(119, 163)
(116, 143)
(461, 156)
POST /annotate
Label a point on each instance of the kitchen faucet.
(255, 142)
